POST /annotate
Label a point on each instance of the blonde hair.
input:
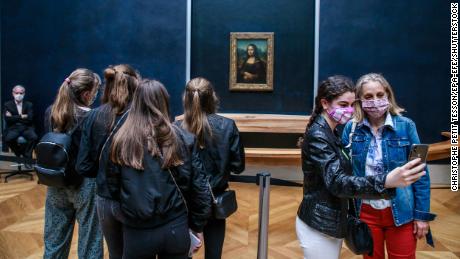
(120, 83)
(200, 99)
(394, 108)
(69, 96)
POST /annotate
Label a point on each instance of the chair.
(19, 159)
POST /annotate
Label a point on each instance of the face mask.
(18, 97)
(375, 108)
(341, 115)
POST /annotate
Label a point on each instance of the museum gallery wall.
(407, 41)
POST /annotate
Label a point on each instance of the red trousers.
(400, 241)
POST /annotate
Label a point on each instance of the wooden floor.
(22, 211)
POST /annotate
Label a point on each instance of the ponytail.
(316, 112)
(69, 96)
(199, 101)
(120, 83)
(62, 111)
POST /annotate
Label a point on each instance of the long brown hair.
(394, 108)
(147, 124)
(120, 83)
(199, 99)
(70, 96)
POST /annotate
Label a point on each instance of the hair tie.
(67, 80)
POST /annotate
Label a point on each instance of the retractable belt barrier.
(264, 181)
(254, 179)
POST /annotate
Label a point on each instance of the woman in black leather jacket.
(328, 179)
(162, 179)
(220, 149)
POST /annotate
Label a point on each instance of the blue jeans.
(64, 206)
(111, 220)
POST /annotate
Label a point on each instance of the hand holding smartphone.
(195, 243)
(418, 151)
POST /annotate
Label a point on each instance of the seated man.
(18, 117)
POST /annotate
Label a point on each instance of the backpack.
(53, 152)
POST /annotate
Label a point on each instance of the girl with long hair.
(120, 83)
(65, 205)
(220, 149)
(161, 181)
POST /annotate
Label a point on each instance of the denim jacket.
(411, 202)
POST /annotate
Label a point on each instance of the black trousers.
(214, 235)
(169, 241)
(28, 133)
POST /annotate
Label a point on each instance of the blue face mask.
(18, 97)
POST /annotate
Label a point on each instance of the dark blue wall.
(407, 41)
(293, 25)
(44, 41)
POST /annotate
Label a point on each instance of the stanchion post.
(263, 180)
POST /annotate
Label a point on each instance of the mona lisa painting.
(251, 61)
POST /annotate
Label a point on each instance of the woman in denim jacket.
(380, 141)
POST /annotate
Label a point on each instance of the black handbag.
(224, 205)
(358, 237)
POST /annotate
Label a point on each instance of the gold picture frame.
(251, 61)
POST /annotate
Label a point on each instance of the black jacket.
(80, 116)
(329, 183)
(96, 129)
(223, 152)
(16, 120)
(150, 197)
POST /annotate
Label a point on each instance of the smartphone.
(194, 243)
(418, 151)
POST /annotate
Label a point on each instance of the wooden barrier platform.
(277, 123)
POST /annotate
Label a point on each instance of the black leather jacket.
(329, 183)
(223, 152)
(95, 131)
(150, 197)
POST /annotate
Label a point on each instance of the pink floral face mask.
(341, 115)
(375, 108)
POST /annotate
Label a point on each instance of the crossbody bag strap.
(214, 200)
(111, 132)
(76, 127)
(180, 191)
(71, 131)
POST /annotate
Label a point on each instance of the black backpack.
(53, 152)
